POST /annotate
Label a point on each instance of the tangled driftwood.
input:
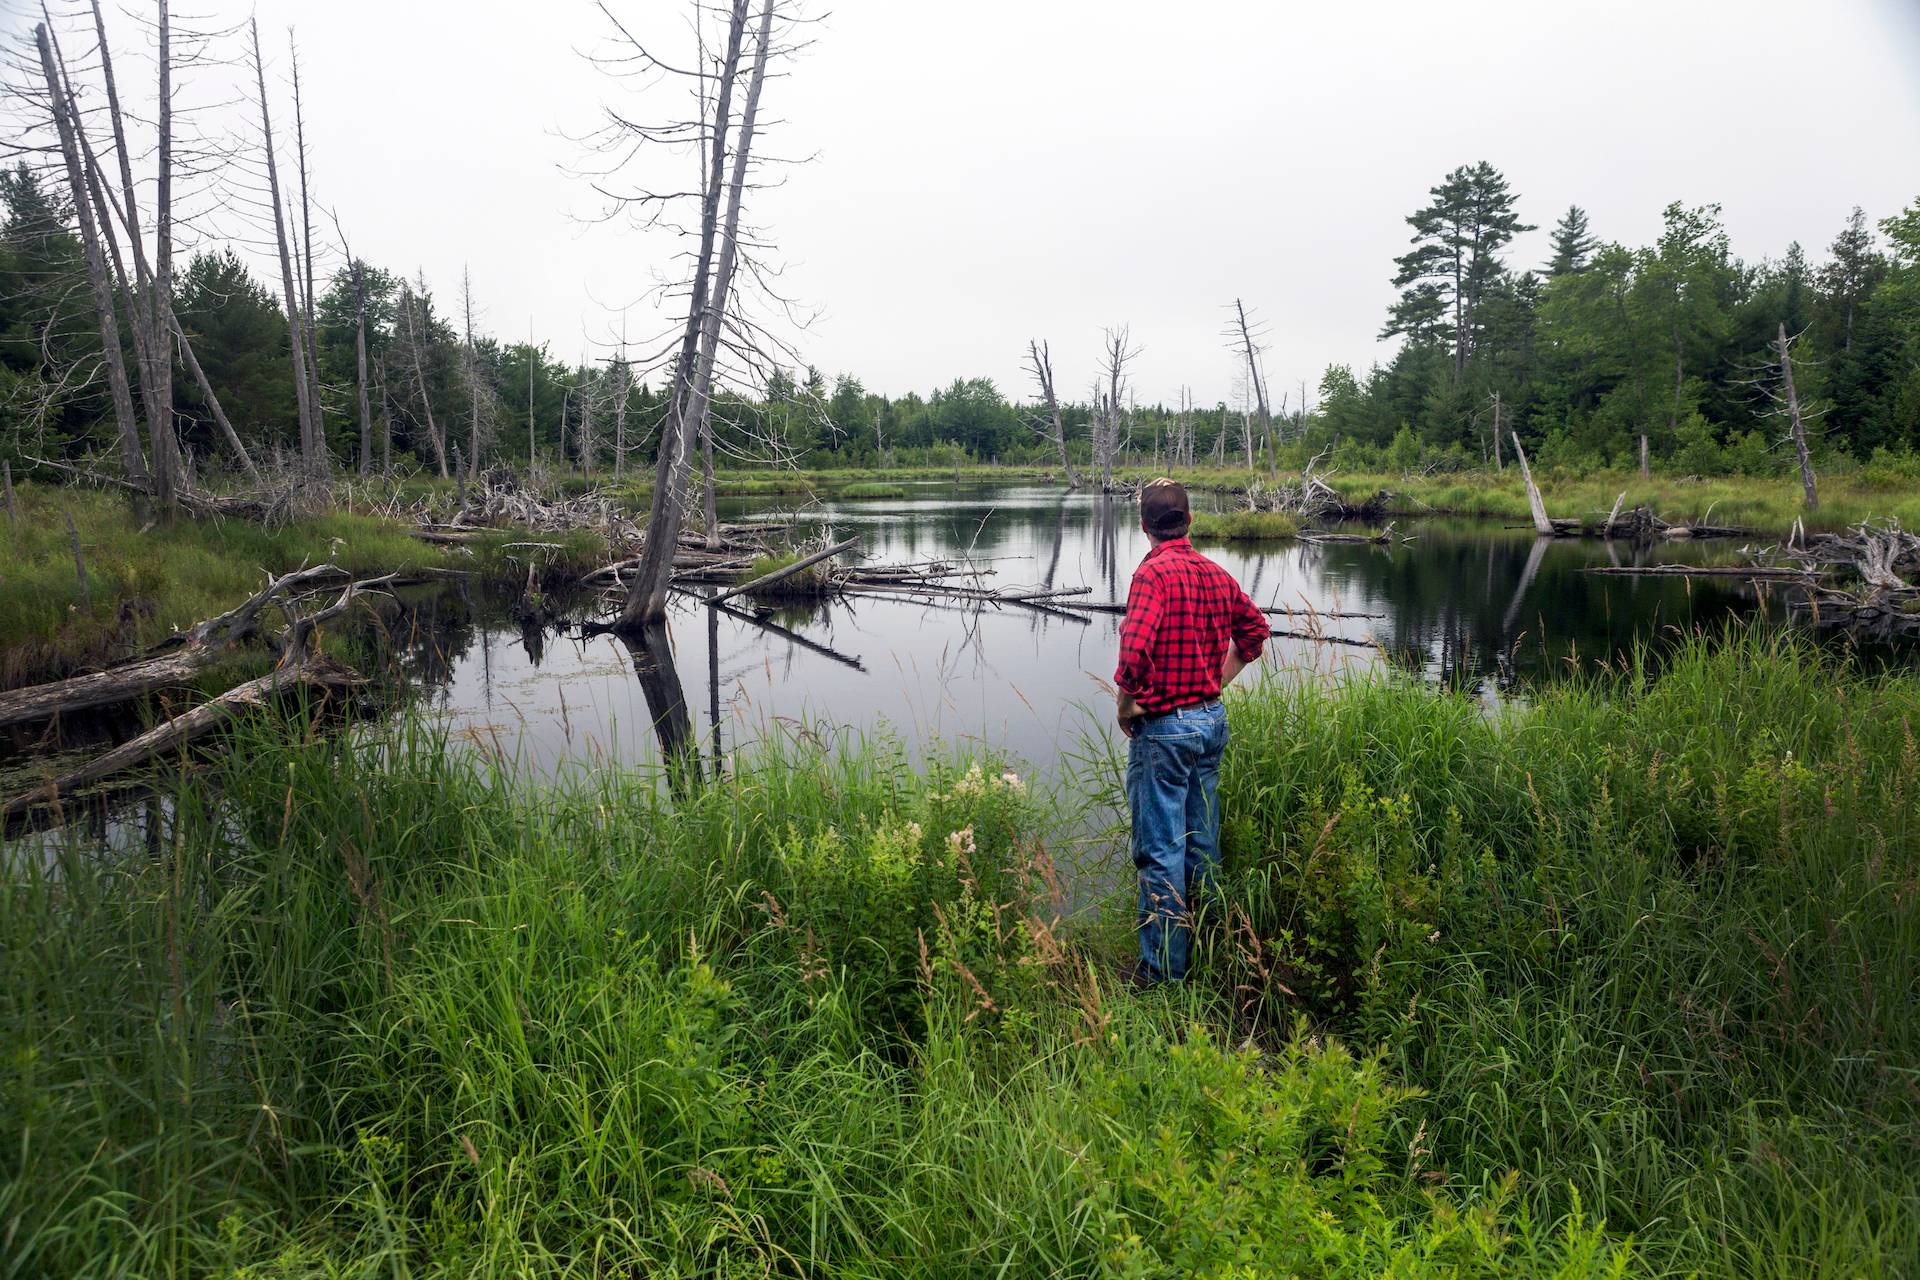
(296, 667)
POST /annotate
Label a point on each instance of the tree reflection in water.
(651, 650)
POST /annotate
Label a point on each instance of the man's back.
(1183, 611)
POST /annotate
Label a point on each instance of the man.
(1188, 632)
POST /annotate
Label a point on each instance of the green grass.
(147, 582)
(1641, 952)
(380, 1011)
(1242, 526)
(1766, 504)
(870, 489)
(808, 583)
(1651, 944)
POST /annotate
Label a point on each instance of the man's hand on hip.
(1129, 713)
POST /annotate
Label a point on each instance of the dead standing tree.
(724, 143)
(313, 455)
(1787, 405)
(418, 335)
(1243, 336)
(1116, 353)
(66, 122)
(1040, 363)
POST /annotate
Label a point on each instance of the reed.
(1613, 982)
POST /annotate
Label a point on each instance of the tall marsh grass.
(1618, 982)
(1652, 943)
(373, 1009)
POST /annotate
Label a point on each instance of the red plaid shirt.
(1182, 610)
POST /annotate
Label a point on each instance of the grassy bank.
(1242, 526)
(1654, 947)
(144, 582)
(1766, 504)
(376, 1010)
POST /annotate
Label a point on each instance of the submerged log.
(318, 675)
(778, 575)
(171, 664)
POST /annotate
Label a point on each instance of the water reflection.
(1472, 604)
(1481, 607)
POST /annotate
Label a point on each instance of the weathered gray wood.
(1040, 361)
(312, 447)
(306, 254)
(171, 665)
(227, 432)
(127, 427)
(414, 341)
(1542, 523)
(13, 511)
(787, 572)
(1259, 387)
(709, 294)
(181, 730)
(1784, 346)
(145, 301)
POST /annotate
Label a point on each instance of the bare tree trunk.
(1498, 464)
(227, 432)
(1259, 390)
(386, 420)
(1542, 523)
(646, 601)
(360, 365)
(1041, 361)
(710, 501)
(311, 446)
(152, 343)
(414, 339)
(306, 236)
(473, 380)
(530, 434)
(132, 461)
(620, 420)
(1784, 346)
(584, 444)
(1117, 354)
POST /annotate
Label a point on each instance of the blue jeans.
(1173, 776)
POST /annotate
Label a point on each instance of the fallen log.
(1698, 571)
(319, 675)
(778, 575)
(1542, 522)
(170, 664)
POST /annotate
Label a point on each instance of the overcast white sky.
(1002, 169)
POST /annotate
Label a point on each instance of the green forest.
(1588, 355)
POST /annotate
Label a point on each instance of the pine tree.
(1457, 241)
(1857, 265)
(1573, 245)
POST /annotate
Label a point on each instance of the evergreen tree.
(1573, 244)
(1457, 239)
(1856, 267)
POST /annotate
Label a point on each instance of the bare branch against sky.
(1237, 149)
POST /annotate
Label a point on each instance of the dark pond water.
(1483, 607)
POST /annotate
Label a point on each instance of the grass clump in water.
(1242, 526)
(871, 489)
(811, 583)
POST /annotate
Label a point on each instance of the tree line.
(1610, 354)
(1605, 354)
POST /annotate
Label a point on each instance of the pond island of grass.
(1616, 982)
